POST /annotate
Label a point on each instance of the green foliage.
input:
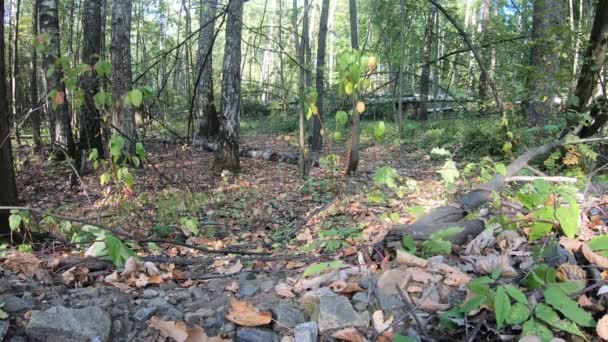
(449, 172)
(315, 269)
(437, 243)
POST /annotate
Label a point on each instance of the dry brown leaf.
(294, 264)
(567, 272)
(350, 335)
(235, 268)
(593, 257)
(308, 284)
(76, 276)
(430, 305)
(487, 264)
(22, 262)
(132, 265)
(151, 269)
(341, 286)
(233, 287)
(422, 276)
(588, 304)
(284, 290)
(602, 327)
(245, 314)
(509, 240)
(570, 245)
(180, 332)
(454, 276)
(380, 324)
(408, 259)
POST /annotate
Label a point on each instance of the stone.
(3, 328)
(361, 297)
(144, 314)
(198, 315)
(314, 296)
(70, 325)
(307, 332)
(150, 293)
(287, 317)
(556, 254)
(336, 312)
(244, 276)
(168, 286)
(198, 293)
(248, 289)
(13, 304)
(267, 285)
(17, 339)
(256, 335)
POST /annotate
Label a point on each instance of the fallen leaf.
(593, 257)
(487, 264)
(233, 287)
(380, 324)
(245, 314)
(509, 240)
(294, 264)
(602, 327)
(180, 332)
(76, 276)
(132, 265)
(567, 272)
(408, 259)
(570, 245)
(430, 305)
(350, 335)
(22, 262)
(151, 269)
(480, 242)
(390, 280)
(454, 276)
(235, 268)
(341, 286)
(284, 290)
(588, 304)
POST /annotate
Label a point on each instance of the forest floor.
(333, 276)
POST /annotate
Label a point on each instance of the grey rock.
(3, 328)
(389, 302)
(556, 255)
(307, 332)
(266, 285)
(227, 329)
(69, 325)
(198, 315)
(5, 285)
(17, 339)
(244, 276)
(248, 289)
(360, 306)
(287, 316)
(150, 293)
(13, 304)
(256, 335)
(315, 295)
(336, 312)
(361, 297)
(198, 293)
(218, 285)
(168, 286)
(144, 314)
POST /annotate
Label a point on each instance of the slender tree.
(8, 187)
(58, 113)
(317, 139)
(35, 114)
(353, 158)
(90, 123)
(485, 19)
(299, 45)
(123, 116)
(227, 156)
(425, 75)
(544, 61)
(205, 106)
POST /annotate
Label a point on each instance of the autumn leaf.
(284, 290)
(180, 332)
(350, 335)
(341, 286)
(245, 314)
(59, 98)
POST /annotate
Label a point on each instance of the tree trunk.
(90, 121)
(317, 139)
(123, 116)
(35, 115)
(227, 156)
(485, 19)
(267, 73)
(58, 113)
(8, 187)
(353, 158)
(303, 166)
(399, 120)
(425, 75)
(544, 61)
(16, 86)
(206, 111)
(593, 60)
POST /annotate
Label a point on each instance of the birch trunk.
(206, 110)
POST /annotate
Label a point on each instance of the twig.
(408, 307)
(545, 178)
(482, 318)
(131, 237)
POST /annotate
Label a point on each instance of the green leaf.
(501, 168)
(571, 286)
(3, 315)
(519, 313)
(103, 68)
(105, 178)
(190, 224)
(599, 243)
(401, 338)
(116, 144)
(386, 175)
(502, 306)
(408, 243)
(118, 251)
(534, 328)
(516, 294)
(449, 172)
(568, 218)
(140, 151)
(546, 314)
(379, 130)
(473, 304)
(558, 299)
(446, 233)
(341, 117)
(14, 221)
(136, 97)
(320, 267)
(417, 211)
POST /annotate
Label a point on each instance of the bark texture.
(227, 156)
(544, 61)
(35, 115)
(123, 116)
(485, 19)
(205, 106)
(8, 187)
(90, 123)
(425, 74)
(317, 139)
(59, 118)
(353, 157)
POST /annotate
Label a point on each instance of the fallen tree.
(453, 215)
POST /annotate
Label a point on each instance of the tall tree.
(353, 158)
(17, 99)
(123, 116)
(58, 113)
(425, 74)
(8, 187)
(594, 58)
(317, 139)
(35, 114)
(227, 156)
(544, 61)
(299, 45)
(90, 122)
(485, 19)
(206, 111)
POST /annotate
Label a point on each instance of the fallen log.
(453, 215)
